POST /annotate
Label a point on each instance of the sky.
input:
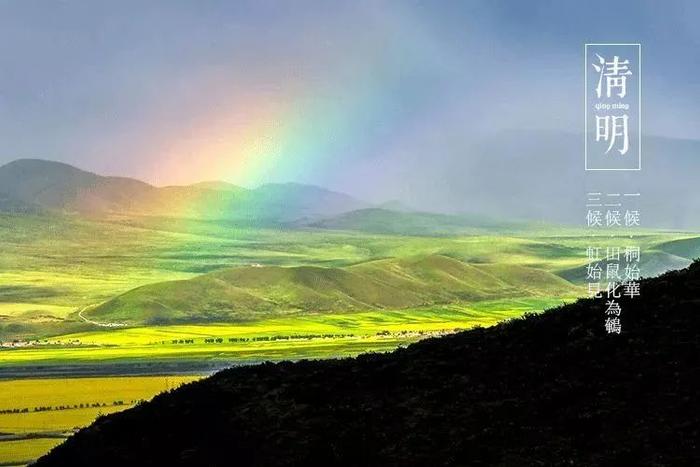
(379, 99)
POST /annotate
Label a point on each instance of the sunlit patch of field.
(33, 309)
(361, 323)
(16, 453)
(305, 336)
(45, 411)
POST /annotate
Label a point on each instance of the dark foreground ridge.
(548, 390)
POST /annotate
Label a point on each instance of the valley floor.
(53, 270)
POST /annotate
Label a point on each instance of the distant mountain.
(548, 390)
(244, 293)
(218, 186)
(55, 185)
(385, 221)
(61, 187)
(396, 205)
(292, 201)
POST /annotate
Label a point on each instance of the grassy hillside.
(551, 389)
(245, 293)
(51, 266)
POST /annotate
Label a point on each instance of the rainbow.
(310, 132)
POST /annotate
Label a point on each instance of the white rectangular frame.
(585, 108)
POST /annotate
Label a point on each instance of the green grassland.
(76, 262)
(53, 266)
(153, 272)
(76, 292)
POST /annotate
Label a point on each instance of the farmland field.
(308, 336)
(37, 414)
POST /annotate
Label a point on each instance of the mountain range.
(514, 175)
(41, 186)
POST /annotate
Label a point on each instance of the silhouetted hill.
(552, 389)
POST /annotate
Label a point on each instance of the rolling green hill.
(243, 293)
